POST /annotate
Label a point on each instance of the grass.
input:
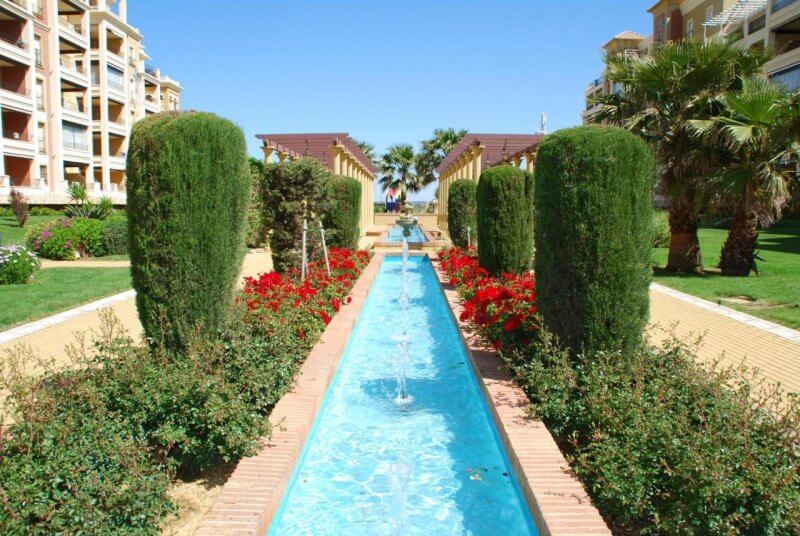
(12, 233)
(774, 294)
(57, 289)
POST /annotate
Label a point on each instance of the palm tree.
(398, 171)
(434, 150)
(660, 94)
(368, 149)
(760, 126)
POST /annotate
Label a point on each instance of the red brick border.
(252, 494)
(557, 500)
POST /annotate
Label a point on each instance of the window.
(690, 29)
(74, 136)
(37, 50)
(40, 94)
(43, 173)
(709, 13)
(116, 78)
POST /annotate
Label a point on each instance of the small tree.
(594, 234)
(505, 219)
(462, 211)
(187, 189)
(19, 207)
(291, 192)
(344, 213)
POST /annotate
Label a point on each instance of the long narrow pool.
(395, 235)
(379, 463)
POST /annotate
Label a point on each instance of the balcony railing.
(116, 85)
(20, 3)
(72, 107)
(78, 146)
(756, 24)
(74, 26)
(14, 41)
(780, 4)
(19, 91)
(15, 135)
(69, 64)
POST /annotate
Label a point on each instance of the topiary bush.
(461, 211)
(19, 206)
(344, 213)
(505, 219)
(594, 234)
(256, 233)
(187, 187)
(293, 191)
(115, 237)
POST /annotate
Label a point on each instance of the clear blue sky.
(384, 71)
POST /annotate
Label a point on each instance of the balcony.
(17, 143)
(18, 98)
(74, 73)
(151, 103)
(777, 5)
(16, 50)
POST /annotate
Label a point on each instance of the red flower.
(325, 317)
(301, 333)
(512, 323)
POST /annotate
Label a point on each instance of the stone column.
(268, 151)
(337, 160)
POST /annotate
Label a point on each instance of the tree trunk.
(684, 246)
(738, 253)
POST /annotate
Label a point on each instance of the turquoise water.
(429, 464)
(395, 235)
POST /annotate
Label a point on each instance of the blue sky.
(384, 71)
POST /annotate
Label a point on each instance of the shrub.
(6, 212)
(52, 239)
(115, 237)
(19, 207)
(17, 265)
(68, 466)
(344, 213)
(44, 211)
(187, 203)
(461, 211)
(661, 233)
(89, 237)
(505, 219)
(291, 192)
(665, 446)
(594, 236)
(255, 222)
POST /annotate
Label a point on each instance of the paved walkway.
(772, 349)
(85, 263)
(50, 340)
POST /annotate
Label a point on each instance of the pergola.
(340, 155)
(476, 152)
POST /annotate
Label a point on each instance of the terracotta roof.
(496, 148)
(317, 146)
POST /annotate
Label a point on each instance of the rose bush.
(503, 308)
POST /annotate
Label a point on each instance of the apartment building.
(74, 77)
(770, 24)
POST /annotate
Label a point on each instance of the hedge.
(291, 192)
(504, 198)
(188, 184)
(594, 236)
(116, 237)
(461, 212)
(344, 213)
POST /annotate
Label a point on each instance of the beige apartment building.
(74, 77)
(772, 24)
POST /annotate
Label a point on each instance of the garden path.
(739, 338)
(50, 341)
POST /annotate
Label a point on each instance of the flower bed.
(503, 308)
(17, 265)
(92, 449)
(663, 444)
(70, 238)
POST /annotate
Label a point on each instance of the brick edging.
(557, 500)
(252, 494)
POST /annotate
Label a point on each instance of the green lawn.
(773, 295)
(11, 233)
(57, 289)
